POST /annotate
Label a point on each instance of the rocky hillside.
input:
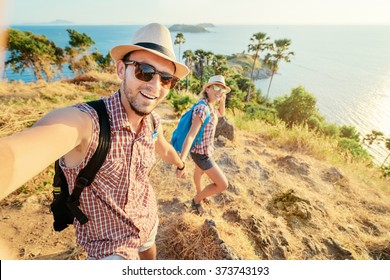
(280, 204)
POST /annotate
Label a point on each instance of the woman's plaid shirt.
(120, 203)
(206, 146)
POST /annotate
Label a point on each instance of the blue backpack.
(181, 131)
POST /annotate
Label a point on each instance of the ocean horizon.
(347, 68)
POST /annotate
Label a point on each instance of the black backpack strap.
(59, 181)
(88, 173)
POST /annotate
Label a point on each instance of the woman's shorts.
(203, 161)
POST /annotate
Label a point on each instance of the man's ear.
(121, 69)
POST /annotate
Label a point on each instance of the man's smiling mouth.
(150, 97)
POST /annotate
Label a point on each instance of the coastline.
(349, 91)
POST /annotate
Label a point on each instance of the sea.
(347, 68)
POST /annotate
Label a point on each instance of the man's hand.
(181, 174)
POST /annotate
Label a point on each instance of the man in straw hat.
(120, 203)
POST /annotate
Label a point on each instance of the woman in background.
(214, 92)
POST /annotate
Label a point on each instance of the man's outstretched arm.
(25, 154)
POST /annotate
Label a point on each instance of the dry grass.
(22, 104)
(277, 214)
(290, 196)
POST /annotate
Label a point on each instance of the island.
(188, 28)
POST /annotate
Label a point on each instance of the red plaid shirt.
(206, 146)
(120, 204)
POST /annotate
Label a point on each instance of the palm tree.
(220, 64)
(209, 57)
(189, 58)
(279, 52)
(200, 61)
(179, 41)
(259, 44)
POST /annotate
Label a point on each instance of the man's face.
(143, 96)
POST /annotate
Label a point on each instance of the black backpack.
(64, 206)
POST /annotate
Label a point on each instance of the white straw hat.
(154, 38)
(217, 80)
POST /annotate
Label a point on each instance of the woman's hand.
(181, 174)
(223, 98)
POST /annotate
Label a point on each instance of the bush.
(354, 148)
(386, 171)
(330, 129)
(255, 111)
(314, 123)
(297, 107)
(182, 102)
(349, 132)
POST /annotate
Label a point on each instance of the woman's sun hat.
(217, 80)
(154, 38)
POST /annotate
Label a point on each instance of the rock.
(336, 251)
(223, 198)
(232, 215)
(261, 172)
(293, 166)
(227, 161)
(293, 208)
(225, 252)
(221, 141)
(379, 251)
(311, 248)
(233, 188)
(334, 176)
(225, 129)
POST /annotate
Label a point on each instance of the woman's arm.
(195, 127)
(166, 151)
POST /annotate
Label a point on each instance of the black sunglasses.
(145, 72)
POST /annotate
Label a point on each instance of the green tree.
(209, 56)
(350, 132)
(179, 40)
(296, 108)
(258, 45)
(279, 53)
(80, 41)
(79, 58)
(387, 145)
(35, 52)
(200, 63)
(104, 63)
(377, 137)
(354, 148)
(220, 65)
(189, 59)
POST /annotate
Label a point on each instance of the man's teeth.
(148, 96)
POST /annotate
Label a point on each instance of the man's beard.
(131, 99)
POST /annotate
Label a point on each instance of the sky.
(300, 12)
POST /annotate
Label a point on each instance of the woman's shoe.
(197, 208)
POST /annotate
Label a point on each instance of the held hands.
(180, 171)
(181, 174)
